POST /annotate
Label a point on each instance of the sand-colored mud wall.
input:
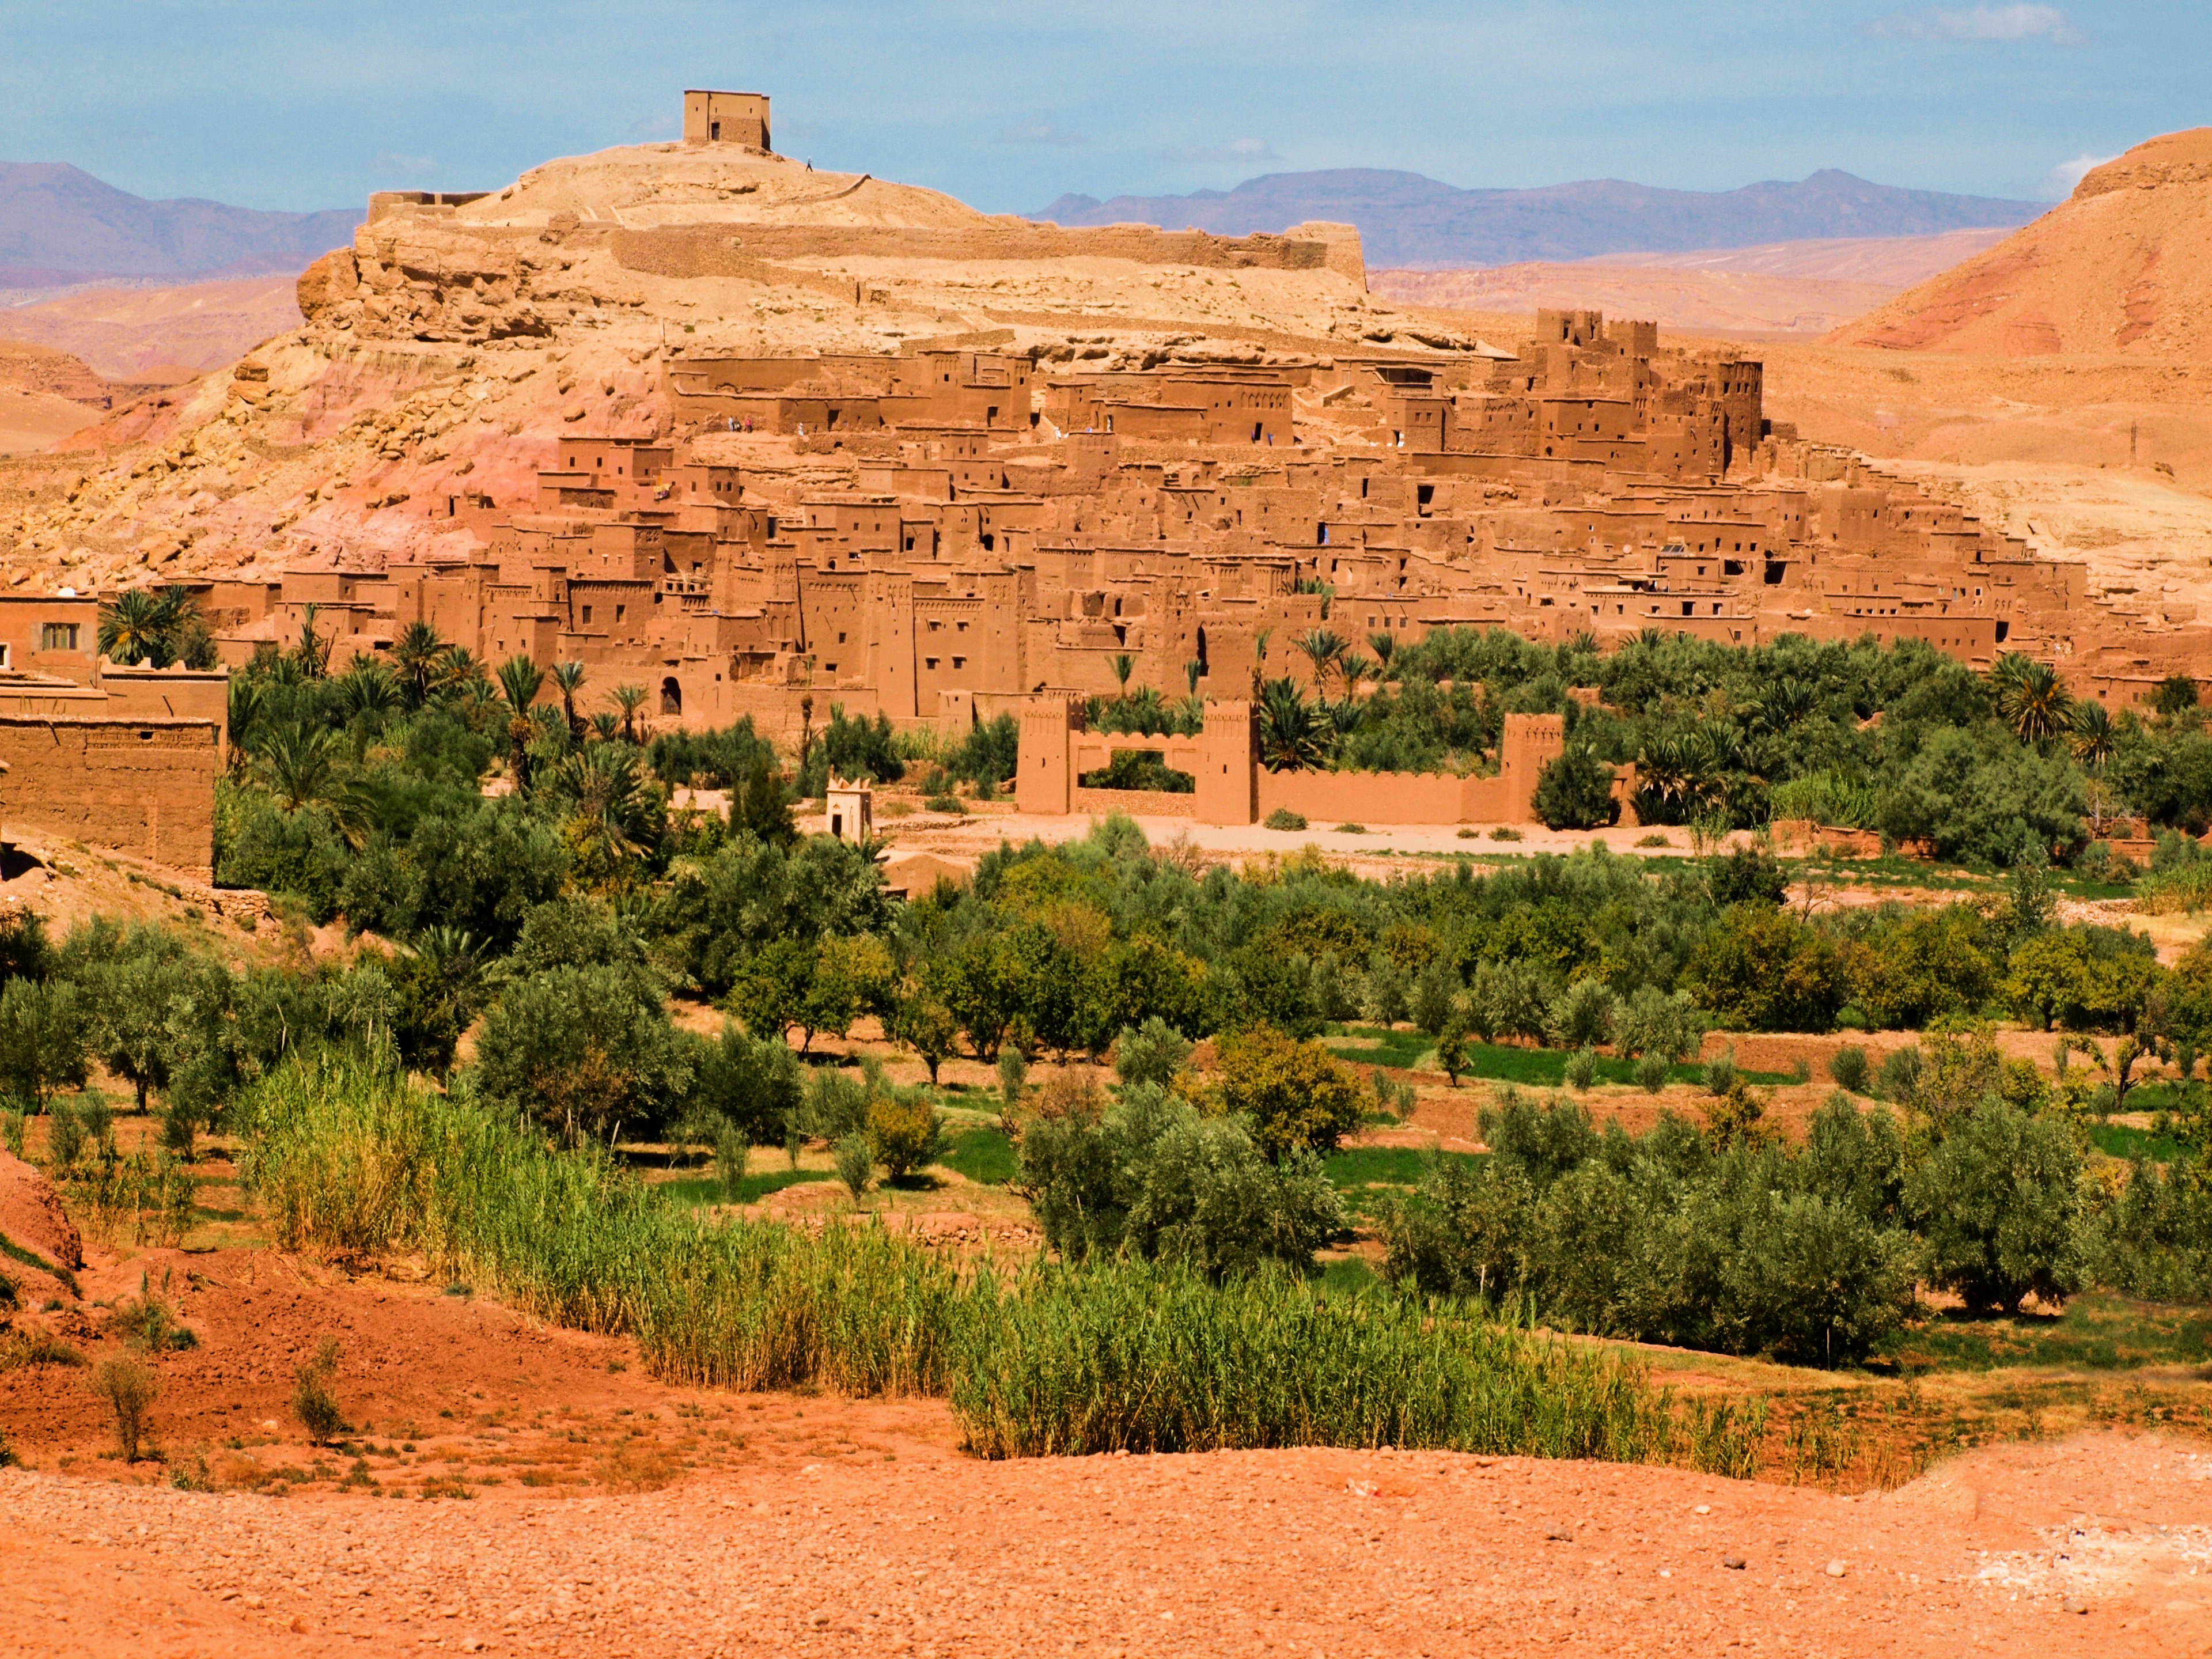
(145, 787)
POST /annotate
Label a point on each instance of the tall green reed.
(1105, 1356)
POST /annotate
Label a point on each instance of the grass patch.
(1349, 1275)
(1127, 1356)
(2123, 1140)
(1369, 1177)
(1382, 1166)
(2097, 1332)
(1498, 1062)
(984, 1156)
(755, 1186)
(1378, 1046)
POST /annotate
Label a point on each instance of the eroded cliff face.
(443, 354)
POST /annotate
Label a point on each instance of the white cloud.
(1241, 149)
(2059, 182)
(414, 166)
(1042, 135)
(1979, 24)
(664, 126)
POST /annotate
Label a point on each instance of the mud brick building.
(121, 758)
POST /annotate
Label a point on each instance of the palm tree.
(2031, 697)
(1259, 659)
(1123, 665)
(1191, 672)
(304, 768)
(1322, 648)
(629, 699)
(249, 695)
(132, 630)
(519, 681)
(1352, 668)
(1294, 734)
(2092, 735)
(416, 652)
(368, 690)
(607, 725)
(1384, 645)
(609, 818)
(2091, 738)
(569, 678)
(313, 655)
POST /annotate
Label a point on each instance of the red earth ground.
(507, 1487)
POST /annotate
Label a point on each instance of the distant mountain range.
(59, 226)
(1409, 222)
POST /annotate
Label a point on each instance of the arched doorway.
(671, 696)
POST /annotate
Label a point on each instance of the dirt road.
(1315, 1553)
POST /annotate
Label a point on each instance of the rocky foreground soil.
(2095, 1545)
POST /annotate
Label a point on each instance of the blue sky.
(1007, 103)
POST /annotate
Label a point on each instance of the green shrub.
(1582, 1016)
(1575, 791)
(1900, 1075)
(1437, 994)
(1763, 969)
(1720, 1072)
(46, 1038)
(733, 1152)
(314, 1400)
(1154, 1177)
(1651, 1074)
(752, 1084)
(149, 1320)
(1283, 818)
(904, 1135)
(1297, 1094)
(856, 1164)
(1848, 1066)
(128, 1390)
(1665, 1238)
(585, 1051)
(1654, 1025)
(1998, 1203)
(945, 803)
(1013, 1070)
(1582, 1068)
(1151, 1052)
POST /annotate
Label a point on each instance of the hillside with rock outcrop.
(444, 352)
(2124, 266)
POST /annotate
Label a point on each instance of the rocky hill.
(447, 346)
(1406, 219)
(60, 226)
(2124, 265)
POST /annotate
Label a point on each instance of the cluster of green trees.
(1999, 769)
(1726, 1238)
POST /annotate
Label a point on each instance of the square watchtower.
(726, 118)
